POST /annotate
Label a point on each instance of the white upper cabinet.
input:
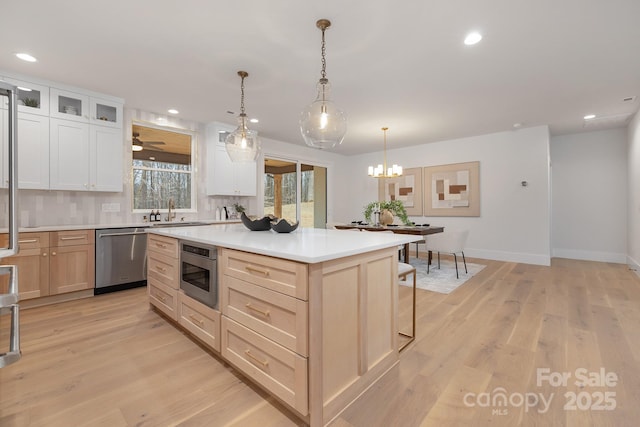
(105, 158)
(105, 113)
(33, 151)
(224, 177)
(32, 98)
(69, 156)
(68, 138)
(69, 105)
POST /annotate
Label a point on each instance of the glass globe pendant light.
(242, 144)
(322, 124)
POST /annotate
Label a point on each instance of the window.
(287, 197)
(162, 170)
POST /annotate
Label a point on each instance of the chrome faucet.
(170, 216)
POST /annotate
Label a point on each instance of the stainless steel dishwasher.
(121, 259)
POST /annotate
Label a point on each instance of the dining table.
(421, 230)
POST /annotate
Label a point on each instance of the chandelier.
(382, 171)
(242, 144)
(322, 124)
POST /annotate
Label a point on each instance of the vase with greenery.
(238, 207)
(394, 206)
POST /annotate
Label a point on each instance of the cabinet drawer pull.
(162, 269)
(265, 313)
(161, 298)
(28, 241)
(257, 270)
(198, 321)
(255, 359)
(161, 245)
(73, 238)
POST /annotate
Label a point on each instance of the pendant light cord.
(323, 51)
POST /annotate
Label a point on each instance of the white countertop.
(309, 245)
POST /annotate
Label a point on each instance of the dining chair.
(448, 242)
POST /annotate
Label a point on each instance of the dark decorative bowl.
(260, 224)
(283, 226)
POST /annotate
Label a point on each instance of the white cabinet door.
(32, 98)
(106, 159)
(224, 177)
(245, 178)
(69, 105)
(33, 151)
(105, 113)
(69, 156)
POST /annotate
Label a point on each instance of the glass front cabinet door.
(105, 113)
(69, 105)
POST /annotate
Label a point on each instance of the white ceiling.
(396, 64)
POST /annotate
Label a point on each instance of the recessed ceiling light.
(472, 38)
(590, 116)
(254, 120)
(172, 111)
(517, 125)
(26, 57)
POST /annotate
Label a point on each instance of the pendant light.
(242, 144)
(323, 125)
(382, 171)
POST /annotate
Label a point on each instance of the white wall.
(633, 211)
(514, 222)
(589, 195)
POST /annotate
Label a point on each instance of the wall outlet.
(111, 207)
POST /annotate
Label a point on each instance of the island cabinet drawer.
(279, 370)
(163, 298)
(164, 269)
(287, 277)
(200, 320)
(72, 238)
(278, 317)
(163, 245)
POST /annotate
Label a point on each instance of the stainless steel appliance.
(9, 296)
(121, 259)
(199, 272)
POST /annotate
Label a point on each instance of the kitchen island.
(311, 316)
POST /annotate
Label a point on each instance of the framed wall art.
(406, 188)
(452, 190)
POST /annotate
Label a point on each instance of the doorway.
(295, 191)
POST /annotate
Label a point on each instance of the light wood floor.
(111, 361)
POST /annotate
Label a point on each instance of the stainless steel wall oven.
(199, 272)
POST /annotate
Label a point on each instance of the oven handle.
(14, 354)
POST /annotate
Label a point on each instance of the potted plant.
(31, 102)
(395, 207)
(238, 207)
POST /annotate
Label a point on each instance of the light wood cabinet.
(51, 263)
(163, 274)
(264, 322)
(202, 321)
(33, 265)
(72, 261)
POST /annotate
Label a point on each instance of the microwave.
(199, 272)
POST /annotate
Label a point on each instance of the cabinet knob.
(44, 254)
(53, 254)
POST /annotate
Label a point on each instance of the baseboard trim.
(613, 257)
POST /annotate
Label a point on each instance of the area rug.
(443, 279)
